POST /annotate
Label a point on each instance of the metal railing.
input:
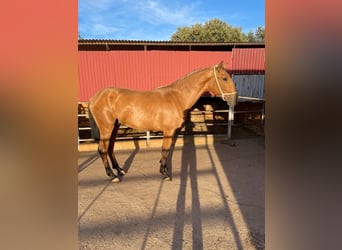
(230, 122)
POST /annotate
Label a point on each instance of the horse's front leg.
(163, 167)
(167, 142)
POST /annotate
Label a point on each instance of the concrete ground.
(215, 200)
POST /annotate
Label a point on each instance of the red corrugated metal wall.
(139, 70)
(248, 61)
(98, 69)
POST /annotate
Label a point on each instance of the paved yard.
(215, 200)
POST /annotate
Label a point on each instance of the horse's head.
(222, 84)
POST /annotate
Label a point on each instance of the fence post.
(147, 138)
(230, 121)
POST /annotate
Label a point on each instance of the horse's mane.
(182, 78)
(188, 75)
(179, 83)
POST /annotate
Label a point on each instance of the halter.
(223, 95)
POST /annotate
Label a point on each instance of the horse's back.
(147, 110)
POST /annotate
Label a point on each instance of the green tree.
(260, 34)
(213, 30)
(257, 36)
(251, 37)
(216, 30)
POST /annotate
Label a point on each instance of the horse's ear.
(221, 65)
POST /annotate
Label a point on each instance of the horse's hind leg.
(105, 138)
(115, 164)
(102, 149)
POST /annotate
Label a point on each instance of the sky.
(157, 20)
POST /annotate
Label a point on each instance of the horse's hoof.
(122, 172)
(167, 178)
(115, 180)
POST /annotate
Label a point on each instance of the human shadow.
(188, 172)
(242, 161)
(228, 215)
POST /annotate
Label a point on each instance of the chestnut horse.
(162, 109)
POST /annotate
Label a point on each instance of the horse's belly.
(153, 121)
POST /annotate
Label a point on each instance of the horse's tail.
(95, 132)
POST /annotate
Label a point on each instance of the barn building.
(145, 65)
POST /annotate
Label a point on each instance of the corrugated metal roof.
(110, 41)
(106, 45)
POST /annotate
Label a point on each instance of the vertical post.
(230, 121)
(263, 113)
(263, 117)
(147, 138)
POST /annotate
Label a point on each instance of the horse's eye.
(224, 79)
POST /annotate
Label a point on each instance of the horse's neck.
(192, 87)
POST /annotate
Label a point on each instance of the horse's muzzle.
(231, 99)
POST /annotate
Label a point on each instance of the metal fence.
(226, 122)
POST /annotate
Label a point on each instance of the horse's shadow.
(128, 163)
